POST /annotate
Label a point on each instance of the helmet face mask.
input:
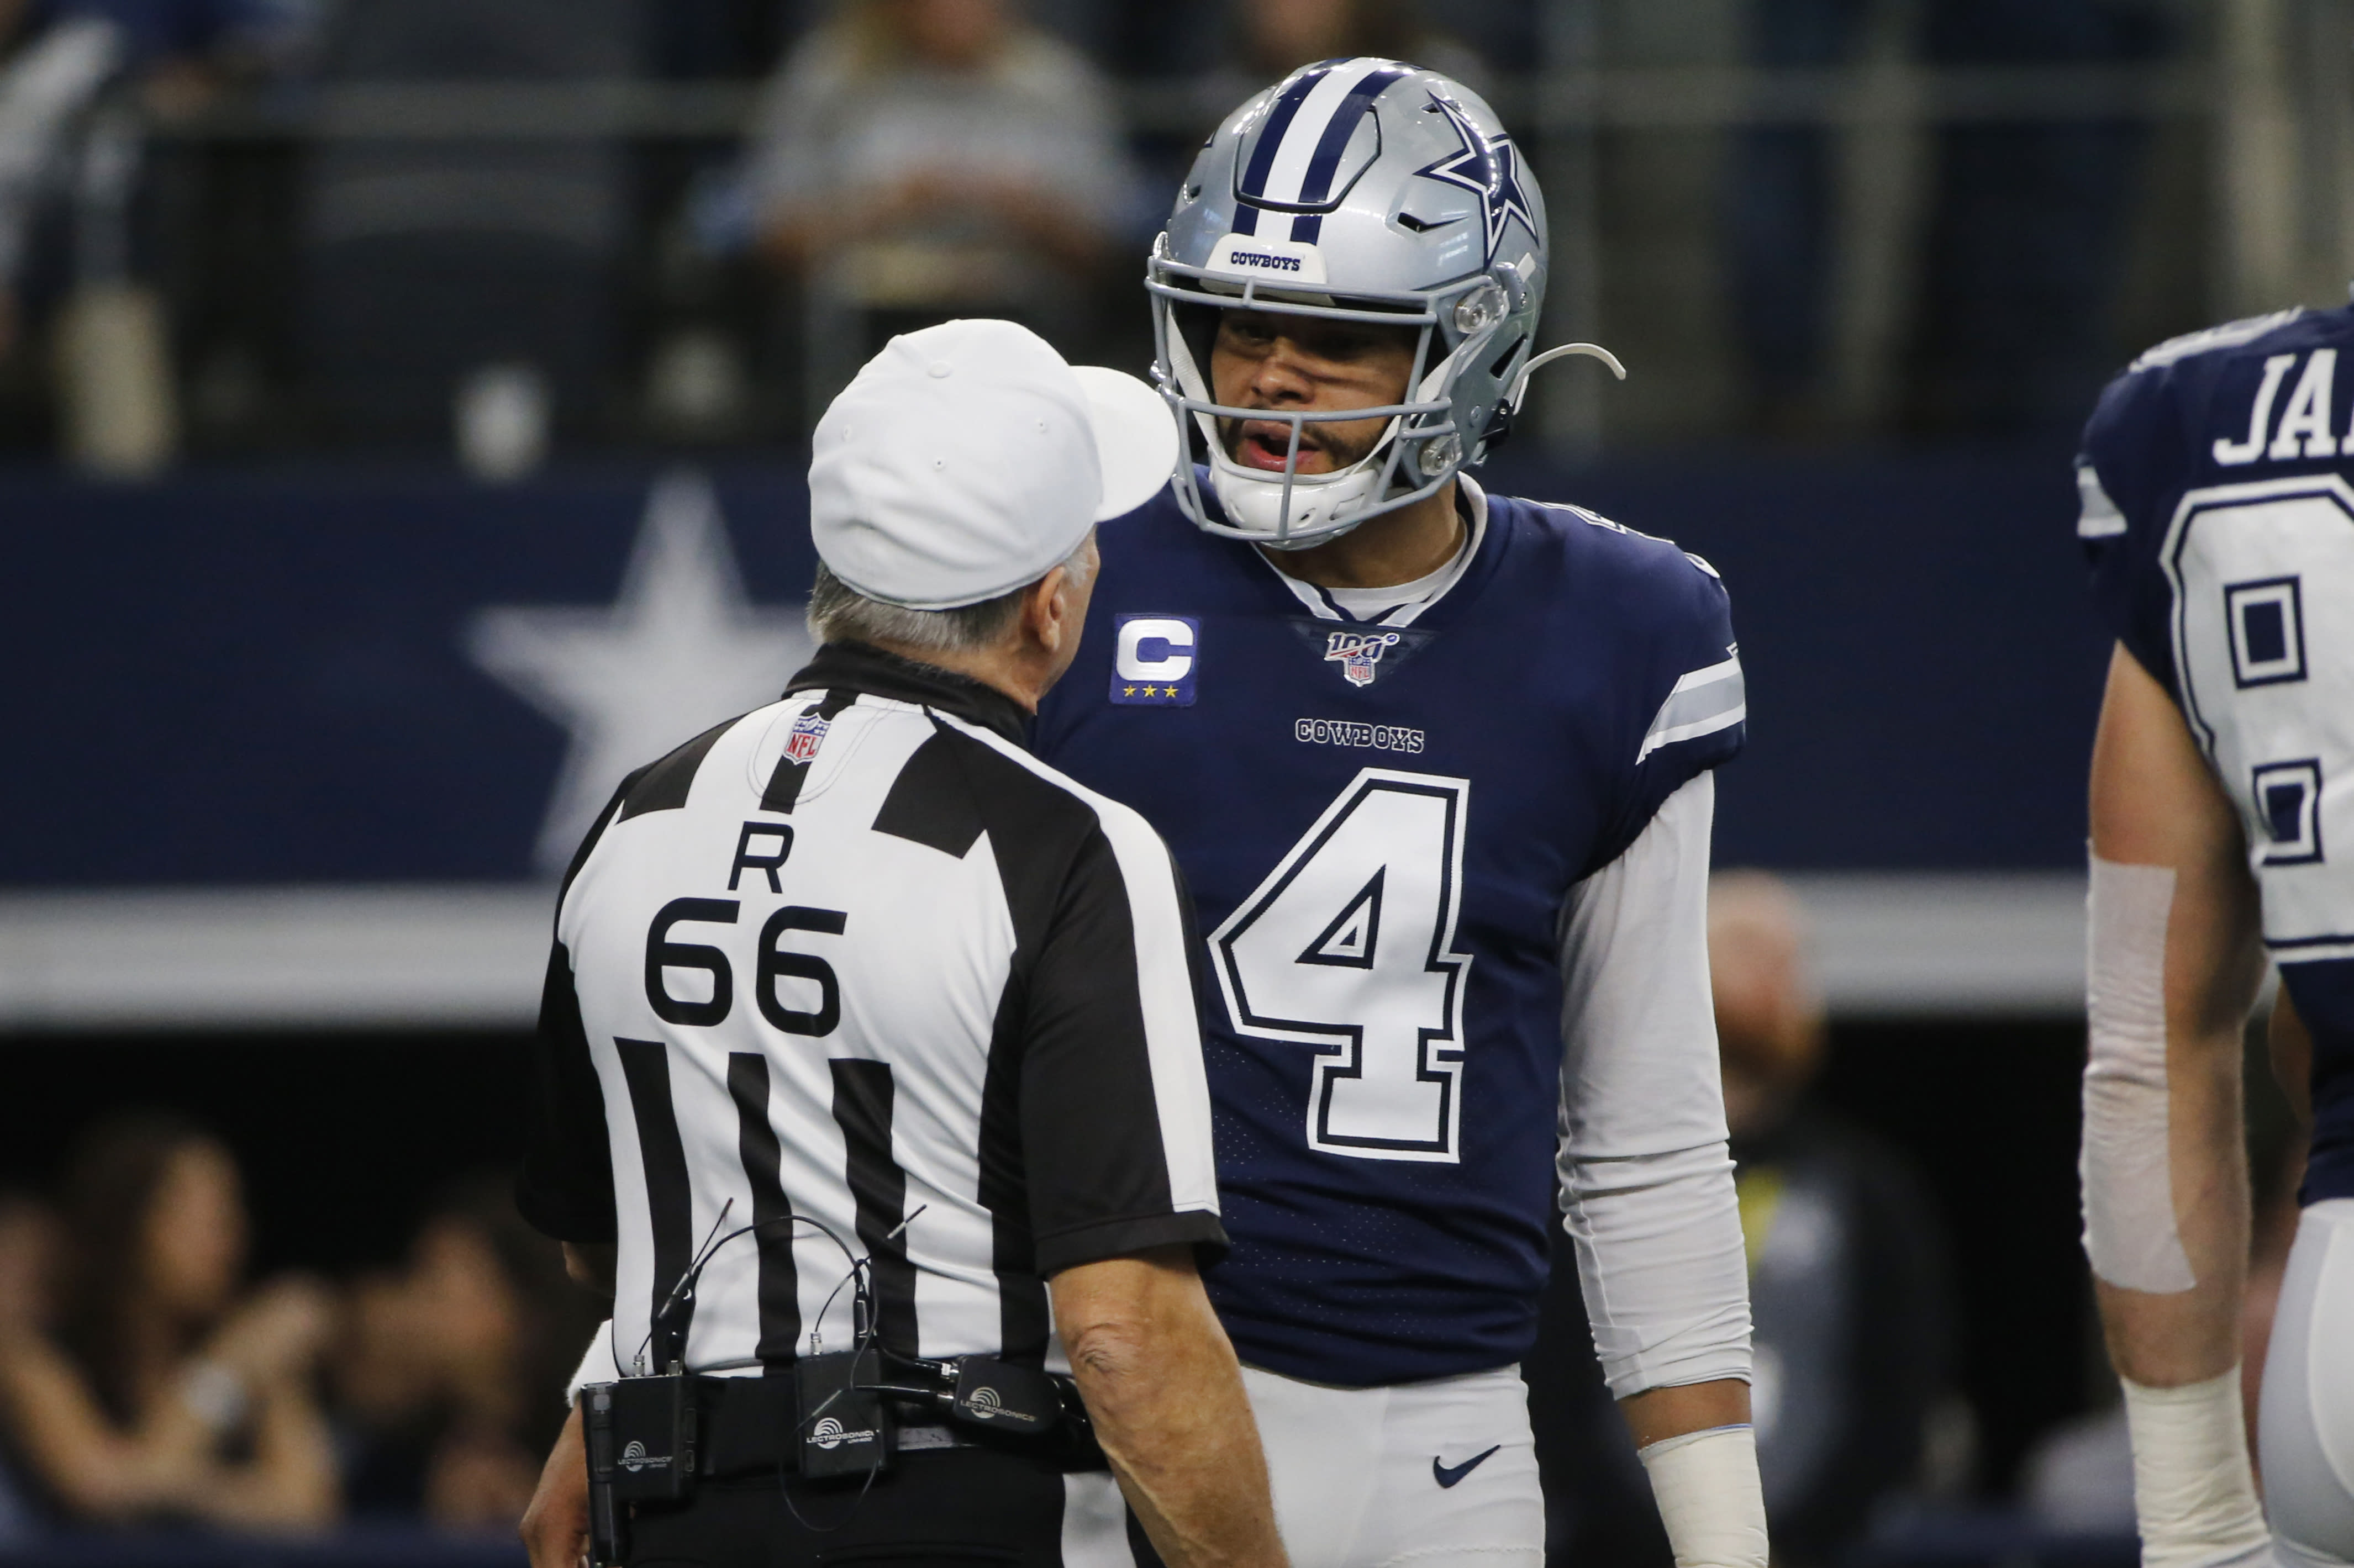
(1429, 188)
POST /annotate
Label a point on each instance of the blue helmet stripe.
(1278, 122)
(1318, 183)
(1305, 228)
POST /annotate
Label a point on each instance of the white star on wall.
(681, 649)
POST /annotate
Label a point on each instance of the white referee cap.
(966, 460)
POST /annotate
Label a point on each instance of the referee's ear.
(1054, 610)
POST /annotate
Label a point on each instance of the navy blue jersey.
(2220, 520)
(1379, 823)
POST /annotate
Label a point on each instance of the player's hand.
(556, 1526)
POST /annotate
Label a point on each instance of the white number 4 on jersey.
(1349, 945)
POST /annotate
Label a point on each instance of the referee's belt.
(749, 1426)
(752, 1426)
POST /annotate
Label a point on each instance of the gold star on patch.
(1128, 691)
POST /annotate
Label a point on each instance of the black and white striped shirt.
(857, 957)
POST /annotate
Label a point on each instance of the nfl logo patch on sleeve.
(1152, 659)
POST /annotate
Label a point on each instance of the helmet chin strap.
(1254, 498)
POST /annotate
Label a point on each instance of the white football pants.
(1434, 1475)
(2304, 1423)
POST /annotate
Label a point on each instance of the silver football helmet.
(1362, 190)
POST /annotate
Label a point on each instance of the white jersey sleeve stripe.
(2098, 517)
(1703, 702)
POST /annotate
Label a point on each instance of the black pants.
(958, 1507)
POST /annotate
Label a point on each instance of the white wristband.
(2193, 1491)
(1709, 1499)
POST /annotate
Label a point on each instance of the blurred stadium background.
(401, 426)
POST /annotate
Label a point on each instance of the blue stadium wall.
(261, 678)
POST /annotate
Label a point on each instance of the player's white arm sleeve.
(597, 1363)
(1646, 1176)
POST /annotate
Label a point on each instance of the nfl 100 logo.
(1357, 652)
(808, 735)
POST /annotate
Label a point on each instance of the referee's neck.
(1031, 656)
(1018, 664)
(993, 667)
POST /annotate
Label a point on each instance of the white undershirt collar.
(1400, 604)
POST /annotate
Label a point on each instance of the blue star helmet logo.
(1490, 168)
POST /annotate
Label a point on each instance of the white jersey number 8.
(1349, 945)
(2263, 574)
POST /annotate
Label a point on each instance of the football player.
(2220, 522)
(1436, 766)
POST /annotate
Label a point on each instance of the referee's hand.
(556, 1525)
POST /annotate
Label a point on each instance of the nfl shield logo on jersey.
(1357, 652)
(809, 734)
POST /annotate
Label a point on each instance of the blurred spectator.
(1782, 219)
(171, 59)
(27, 1261)
(156, 1387)
(185, 53)
(919, 159)
(76, 100)
(2023, 225)
(1846, 1279)
(706, 40)
(1845, 1265)
(450, 1371)
(464, 285)
(2029, 224)
(1275, 38)
(1227, 52)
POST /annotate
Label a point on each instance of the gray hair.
(839, 613)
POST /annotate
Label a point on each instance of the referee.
(869, 1079)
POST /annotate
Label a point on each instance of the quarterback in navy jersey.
(1436, 767)
(2218, 483)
